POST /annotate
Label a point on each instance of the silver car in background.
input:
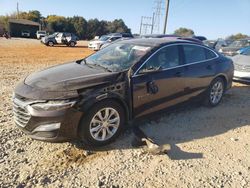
(242, 66)
(107, 39)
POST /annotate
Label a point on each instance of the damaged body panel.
(93, 98)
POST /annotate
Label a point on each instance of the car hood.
(68, 77)
(241, 59)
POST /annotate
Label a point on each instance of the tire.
(72, 44)
(215, 92)
(50, 43)
(89, 132)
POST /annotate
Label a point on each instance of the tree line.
(84, 29)
(185, 32)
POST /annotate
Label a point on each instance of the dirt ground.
(210, 147)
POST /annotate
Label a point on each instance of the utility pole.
(17, 10)
(166, 17)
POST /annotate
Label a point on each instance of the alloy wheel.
(104, 124)
(216, 93)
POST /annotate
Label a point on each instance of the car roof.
(156, 42)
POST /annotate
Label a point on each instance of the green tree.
(77, 25)
(237, 36)
(118, 25)
(92, 28)
(33, 15)
(184, 32)
(56, 23)
(4, 22)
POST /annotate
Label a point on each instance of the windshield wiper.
(105, 68)
(84, 61)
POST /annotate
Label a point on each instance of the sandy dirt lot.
(210, 147)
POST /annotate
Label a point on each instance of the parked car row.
(232, 49)
(106, 40)
(228, 47)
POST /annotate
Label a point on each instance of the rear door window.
(210, 54)
(193, 54)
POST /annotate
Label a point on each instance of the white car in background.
(25, 34)
(97, 44)
(40, 34)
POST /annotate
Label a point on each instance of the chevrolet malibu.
(93, 98)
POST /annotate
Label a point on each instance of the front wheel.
(102, 124)
(215, 92)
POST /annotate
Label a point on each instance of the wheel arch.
(224, 78)
(89, 103)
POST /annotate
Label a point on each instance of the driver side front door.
(160, 82)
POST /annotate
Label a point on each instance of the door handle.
(152, 88)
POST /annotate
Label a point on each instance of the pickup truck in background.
(40, 34)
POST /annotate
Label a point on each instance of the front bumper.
(242, 76)
(94, 47)
(51, 126)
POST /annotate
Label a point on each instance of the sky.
(210, 18)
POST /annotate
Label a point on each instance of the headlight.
(53, 105)
(220, 50)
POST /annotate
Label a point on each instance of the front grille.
(242, 68)
(21, 115)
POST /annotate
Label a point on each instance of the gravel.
(210, 147)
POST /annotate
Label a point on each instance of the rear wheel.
(103, 123)
(50, 43)
(72, 44)
(215, 92)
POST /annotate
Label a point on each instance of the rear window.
(210, 54)
(193, 53)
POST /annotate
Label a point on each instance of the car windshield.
(104, 38)
(41, 32)
(238, 43)
(117, 57)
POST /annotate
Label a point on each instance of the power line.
(158, 14)
(146, 26)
